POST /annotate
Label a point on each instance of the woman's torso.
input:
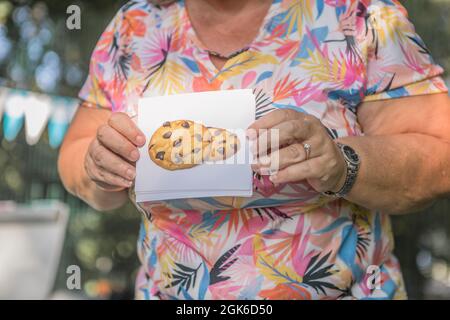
(287, 242)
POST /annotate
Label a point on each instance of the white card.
(233, 110)
(191, 195)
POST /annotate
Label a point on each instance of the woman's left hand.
(287, 160)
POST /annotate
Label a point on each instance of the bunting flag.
(37, 112)
(63, 111)
(13, 115)
(19, 107)
(2, 101)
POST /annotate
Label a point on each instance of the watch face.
(351, 154)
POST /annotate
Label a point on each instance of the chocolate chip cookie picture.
(185, 144)
(223, 145)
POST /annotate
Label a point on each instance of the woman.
(363, 117)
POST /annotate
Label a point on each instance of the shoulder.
(138, 20)
(383, 6)
(138, 14)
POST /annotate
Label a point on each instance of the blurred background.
(39, 54)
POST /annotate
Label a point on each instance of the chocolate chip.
(235, 148)
(167, 124)
(177, 143)
(196, 150)
(167, 135)
(160, 155)
(186, 125)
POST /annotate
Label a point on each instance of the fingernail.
(140, 140)
(273, 171)
(251, 134)
(273, 178)
(131, 174)
(134, 155)
(265, 160)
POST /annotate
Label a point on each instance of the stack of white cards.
(232, 110)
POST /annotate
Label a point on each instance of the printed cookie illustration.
(184, 144)
(179, 145)
(223, 145)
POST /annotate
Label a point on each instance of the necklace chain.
(227, 57)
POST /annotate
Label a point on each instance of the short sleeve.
(398, 62)
(97, 88)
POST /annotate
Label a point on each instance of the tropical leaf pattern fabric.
(321, 57)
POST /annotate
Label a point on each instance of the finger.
(272, 119)
(103, 178)
(117, 143)
(122, 123)
(110, 179)
(286, 133)
(288, 156)
(311, 169)
(265, 142)
(112, 163)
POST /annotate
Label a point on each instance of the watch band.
(353, 164)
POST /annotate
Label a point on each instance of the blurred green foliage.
(103, 245)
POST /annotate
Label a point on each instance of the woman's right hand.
(112, 155)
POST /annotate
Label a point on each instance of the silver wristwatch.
(353, 164)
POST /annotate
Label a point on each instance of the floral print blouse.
(321, 57)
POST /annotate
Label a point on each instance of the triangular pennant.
(3, 94)
(37, 113)
(13, 114)
(63, 110)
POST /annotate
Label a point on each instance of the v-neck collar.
(200, 51)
